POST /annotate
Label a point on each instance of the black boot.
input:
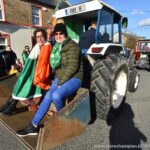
(11, 109)
(6, 105)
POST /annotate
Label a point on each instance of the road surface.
(130, 130)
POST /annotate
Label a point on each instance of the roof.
(85, 7)
(108, 6)
(50, 3)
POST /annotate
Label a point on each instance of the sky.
(137, 12)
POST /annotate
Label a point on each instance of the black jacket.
(87, 39)
(10, 58)
(2, 66)
(71, 63)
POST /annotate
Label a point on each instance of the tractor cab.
(108, 21)
(142, 53)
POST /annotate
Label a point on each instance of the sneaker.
(29, 130)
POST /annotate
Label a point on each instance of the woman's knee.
(56, 97)
(58, 100)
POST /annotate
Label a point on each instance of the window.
(36, 16)
(145, 46)
(3, 43)
(2, 13)
(106, 27)
(116, 33)
(1, 18)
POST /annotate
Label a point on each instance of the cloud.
(137, 12)
(145, 22)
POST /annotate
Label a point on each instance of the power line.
(135, 30)
(139, 28)
(134, 11)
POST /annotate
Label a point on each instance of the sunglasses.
(59, 33)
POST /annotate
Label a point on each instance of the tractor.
(107, 76)
(142, 54)
(111, 76)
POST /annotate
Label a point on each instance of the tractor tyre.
(134, 79)
(109, 82)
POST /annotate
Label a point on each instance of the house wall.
(46, 16)
(19, 37)
(18, 23)
(128, 40)
(124, 39)
(20, 13)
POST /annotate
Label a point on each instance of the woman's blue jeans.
(56, 94)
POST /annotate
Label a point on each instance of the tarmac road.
(130, 130)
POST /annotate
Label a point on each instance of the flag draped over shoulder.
(37, 69)
(42, 70)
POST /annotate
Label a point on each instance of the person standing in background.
(25, 54)
(9, 57)
(87, 38)
(3, 71)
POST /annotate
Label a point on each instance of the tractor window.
(116, 34)
(77, 24)
(105, 27)
(145, 46)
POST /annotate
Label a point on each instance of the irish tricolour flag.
(24, 88)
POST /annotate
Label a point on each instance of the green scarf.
(55, 57)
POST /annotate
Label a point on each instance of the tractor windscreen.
(105, 29)
(78, 24)
(144, 46)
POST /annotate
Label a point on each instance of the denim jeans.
(56, 94)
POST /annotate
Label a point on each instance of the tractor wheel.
(134, 79)
(109, 80)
